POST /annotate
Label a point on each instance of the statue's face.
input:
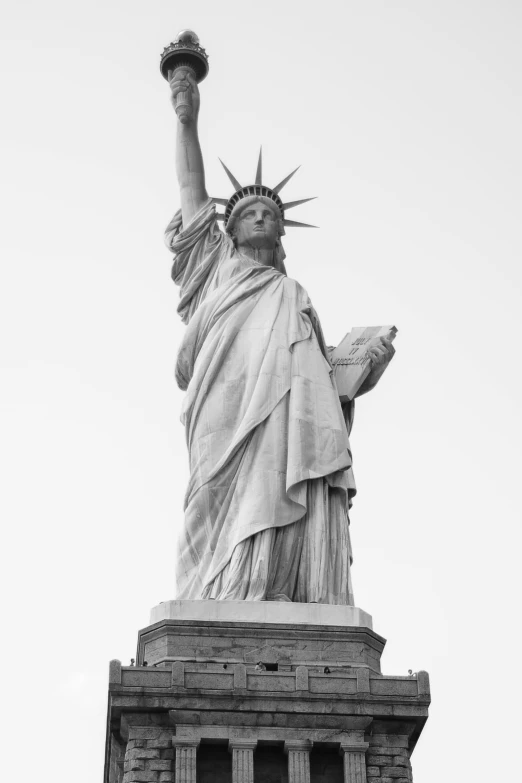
(258, 226)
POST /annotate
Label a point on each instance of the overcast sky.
(407, 119)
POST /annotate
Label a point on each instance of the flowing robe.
(266, 509)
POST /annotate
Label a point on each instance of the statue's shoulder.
(202, 231)
(295, 288)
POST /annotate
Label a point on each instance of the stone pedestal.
(222, 694)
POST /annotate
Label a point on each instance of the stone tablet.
(351, 361)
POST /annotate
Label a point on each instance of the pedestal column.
(186, 750)
(242, 760)
(298, 760)
(354, 758)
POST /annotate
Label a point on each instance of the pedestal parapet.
(229, 697)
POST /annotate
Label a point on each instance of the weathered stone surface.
(158, 678)
(387, 686)
(143, 753)
(392, 772)
(271, 681)
(250, 642)
(375, 771)
(376, 760)
(178, 674)
(115, 671)
(166, 777)
(163, 765)
(142, 732)
(164, 742)
(301, 678)
(363, 681)
(332, 683)
(133, 765)
(389, 740)
(379, 750)
(423, 683)
(140, 777)
(202, 680)
(240, 675)
(401, 761)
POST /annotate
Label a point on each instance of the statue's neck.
(261, 255)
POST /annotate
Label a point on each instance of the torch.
(186, 53)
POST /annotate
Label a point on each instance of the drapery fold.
(264, 427)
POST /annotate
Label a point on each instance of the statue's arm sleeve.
(198, 249)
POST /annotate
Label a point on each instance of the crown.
(258, 189)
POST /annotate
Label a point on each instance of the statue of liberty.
(266, 509)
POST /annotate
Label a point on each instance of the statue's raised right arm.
(189, 160)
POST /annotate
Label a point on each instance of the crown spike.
(283, 182)
(231, 177)
(222, 201)
(295, 224)
(220, 215)
(259, 172)
(292, 204)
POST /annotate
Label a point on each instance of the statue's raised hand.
(185, 95)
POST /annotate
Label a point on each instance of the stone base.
(262, 612)
(223, 693)
(219, 632)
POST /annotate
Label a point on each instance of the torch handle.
(183, 100)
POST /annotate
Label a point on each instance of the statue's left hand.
(380, 357)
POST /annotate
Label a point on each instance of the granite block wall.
(388, 760)
(149, 756)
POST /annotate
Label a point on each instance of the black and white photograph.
(261, 391)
